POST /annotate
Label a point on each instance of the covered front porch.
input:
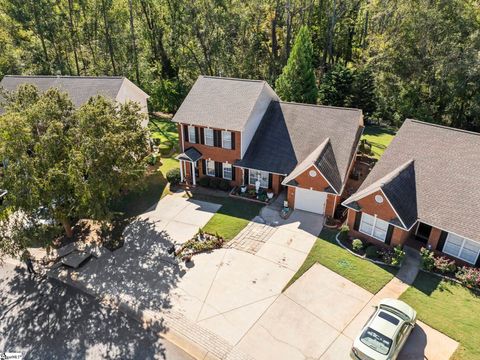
(189, 166)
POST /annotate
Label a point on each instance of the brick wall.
(383, 211)
(317, 182)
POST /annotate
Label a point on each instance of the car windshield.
(376, 341)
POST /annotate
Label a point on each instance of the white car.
(385, 333)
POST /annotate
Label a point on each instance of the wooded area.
(393, 58)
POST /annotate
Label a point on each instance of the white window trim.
(223, 138)
(205, 136)
(375, 217)
(191, 129)
(223, 171)
(261, 172)
(461, 249)
(206, 167)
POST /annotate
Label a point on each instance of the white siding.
(256, 116)
(129, 91)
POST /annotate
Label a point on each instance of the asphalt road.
(45, 319)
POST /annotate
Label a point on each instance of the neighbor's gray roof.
(79, 88)
(218, 102)
(446, 168)
(290, 133)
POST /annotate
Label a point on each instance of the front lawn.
(166, 132)
(449, 308)
(148, 192)
(379, 137)
(232, 217)
(328, 253)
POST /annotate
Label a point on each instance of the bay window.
(226, 139)
(227, 171)
(461, 248)
(208, 135)
(374, 227)
(255, 175)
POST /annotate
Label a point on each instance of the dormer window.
(192, 136)
(226, 139)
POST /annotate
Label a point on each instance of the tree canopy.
(64, 162)
(297, 82)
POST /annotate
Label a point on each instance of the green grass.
(449, 308)
(328, 253)
(379, 137)
(165, 130)
(150, 190)
(232, 217)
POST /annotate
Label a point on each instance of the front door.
(423, 232)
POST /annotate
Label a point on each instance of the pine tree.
(297, 82)
(336, 87)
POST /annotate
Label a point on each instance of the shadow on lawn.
(45, 319)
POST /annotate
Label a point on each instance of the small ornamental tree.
(297, 82)
(68, 162)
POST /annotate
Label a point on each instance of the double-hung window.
(374, 227)
(461, 248)
(208, 136)
(210, 167)
(255, 175)
(227, 171)
(226, 139)
(192, 136)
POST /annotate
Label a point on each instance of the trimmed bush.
(469, 277)
(357, 245)
(398, 255)
(372, 252)
(428, 259)
(444, 265)
(224, 184)
(204, 181)
(173, 176)
(214, 183)
(344, 229)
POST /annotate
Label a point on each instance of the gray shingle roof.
(289, 133)
(222, 103)
(79, 88)
(191, 154)
(446, 172)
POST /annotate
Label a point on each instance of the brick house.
(239, 130)
(423, 191)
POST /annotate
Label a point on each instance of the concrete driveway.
(224, 292)
(319, 316)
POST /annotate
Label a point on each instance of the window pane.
(366, 228)
(226, 139)
(451, 248)
(368, 219)
(227, 171)
(382, 225)
(191, 134)
(208, 137)
(255, 175)
(379, 234)
(470, 251)
(210, 167)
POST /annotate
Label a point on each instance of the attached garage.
(310, 200)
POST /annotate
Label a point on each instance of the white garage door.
(310, 200)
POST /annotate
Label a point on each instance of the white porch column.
(181, 171)
(243, 176)
(193, 174)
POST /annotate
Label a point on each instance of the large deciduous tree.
(297, 82)
(68, 162)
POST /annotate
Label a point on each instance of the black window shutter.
(441, 240)
(270, 180)
(185, 133)
(202, 137)
(217, 138)
(204, 167)
(245, 176)
(197, 135)
(358, 217)
(388, 238)
(232, 134)
(234, 170)
(218, 169)
(477, 264)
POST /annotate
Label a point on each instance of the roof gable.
(222, 103)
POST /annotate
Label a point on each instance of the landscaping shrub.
(428, 259)
(214, 182)
(173, 176)
(204, 181)
(357, 245)
(444, 265)
(372, 252)
(398, 255)
(344, 229)
(165, 148)
(468, 276)
(224, 184)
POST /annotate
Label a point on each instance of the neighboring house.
(425, 188)
(82, 88)
(239, 130)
